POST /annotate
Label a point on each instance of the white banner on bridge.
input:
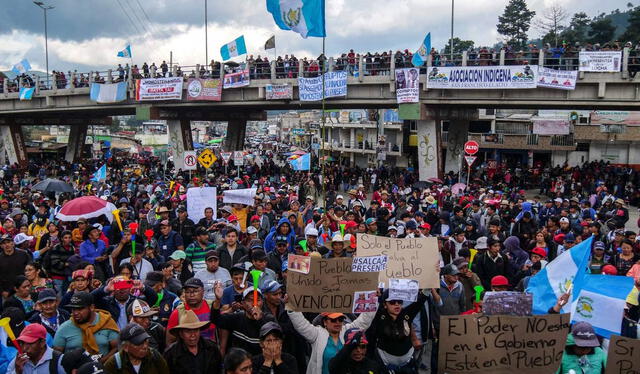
(407, 85)
(600, 61)
(335, 84)
(560, 79)
(159, 89)
(482, 77)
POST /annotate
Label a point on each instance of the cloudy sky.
(86, 34)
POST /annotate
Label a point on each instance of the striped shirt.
(196, 254)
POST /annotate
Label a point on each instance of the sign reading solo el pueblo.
(414, 258)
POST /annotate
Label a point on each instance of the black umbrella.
(52, 185)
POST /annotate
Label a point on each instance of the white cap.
(564, 219)
(251, 230)
(558, 200)
(392, 228)
(311, 231)
(339, 197)
(21, 238)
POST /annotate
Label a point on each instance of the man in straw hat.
(192, 353)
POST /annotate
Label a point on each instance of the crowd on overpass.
(83, 291)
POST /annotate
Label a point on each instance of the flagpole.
(322, 161)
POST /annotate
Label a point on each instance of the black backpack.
(53, 364)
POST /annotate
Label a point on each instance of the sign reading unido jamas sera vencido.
(482, 77)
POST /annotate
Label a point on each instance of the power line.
(135, 15)
(129, 17)
(146, 16)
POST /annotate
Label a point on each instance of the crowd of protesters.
(85, 294)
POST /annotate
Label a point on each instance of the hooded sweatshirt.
(517, 255)
(270, 240)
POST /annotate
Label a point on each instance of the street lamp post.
(44, 7)
(206, 36)
(451, 40)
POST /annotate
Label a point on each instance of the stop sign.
(471, 147)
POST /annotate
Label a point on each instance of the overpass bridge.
(72, 106)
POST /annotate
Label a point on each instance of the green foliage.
(459, 45)
(632, 33)
(515, 22)
(602, 30)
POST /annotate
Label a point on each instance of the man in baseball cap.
(271, 339)
(136, 353)
(141, 313)
(33, 342)
(193, 290)
(499, 283)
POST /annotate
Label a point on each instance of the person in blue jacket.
(283, 228)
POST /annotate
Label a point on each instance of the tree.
(578, 28)
(602, 30)
(515, 22)
(551, 22)
(459, 45)
(633, 28)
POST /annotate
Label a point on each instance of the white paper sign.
(200, 198)
(560, 79)
(481, 77)
(600, 61)
(403, 289)
(335, 84)
(407, 85)
(369, 263)
(244, 196)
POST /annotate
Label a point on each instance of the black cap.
(5, 237)
(75, 359)
(258, 255)
(80, 299)
(133, 333)
(268, 328)
(153, 278)
(211, 254)
(181, 209)
(46, 295)
(201, 231)
(91, 368)
(193, 283)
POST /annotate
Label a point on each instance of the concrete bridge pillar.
(428, 149)
(180, 140)
(457, 136)
(14, 143)
(76, 142)
(236, 131)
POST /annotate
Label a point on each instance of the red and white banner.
(204, 89)
(560, 79)
(153, 89)
(237, 79)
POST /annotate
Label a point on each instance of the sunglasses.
(334, 320)
(395, 302)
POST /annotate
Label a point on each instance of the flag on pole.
(601, 302)
(126, 52)
(233, 49)
(554, 280)
(306, 17)
(301, 163)
(26, 93)
(270, 43)
(100, 174)
(21, 67)
(420, 57)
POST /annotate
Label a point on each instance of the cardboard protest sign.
(623, 355)
(369, 263)
(502, 344)
(329, 286)
(413, 258)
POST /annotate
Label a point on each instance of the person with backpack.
(37, 357)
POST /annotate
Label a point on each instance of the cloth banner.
(560, 79)
(200, 198)
(237, 79)
(108, 93)
(600, 61)
(615, 117)
(408, 85)
(412, 258)
(279, 91)
(330, 286)
(502, 344)
(482, 77)
(152, 89)
(244, 196)
(199, 89)
(335, 84)
(551, 127)
(26, 93)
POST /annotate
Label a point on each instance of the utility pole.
(451, 40)
(44, 7)
(206, 35)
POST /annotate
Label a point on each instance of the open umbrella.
(52, 185)
(458, 188)
(435, 180)
(299, 153)
(86, 207)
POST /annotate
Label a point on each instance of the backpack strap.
(53, 363)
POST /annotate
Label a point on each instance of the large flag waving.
(601, 302)
(126, 52)
(301, 162)
(26, 93)
(554, 280)
(21, 67)
(100, 174)
(306, 17)
(232, 49)
(420, 57)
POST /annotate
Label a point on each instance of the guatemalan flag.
(306, 17)
(26, 93)
(100, 174)
(601, 302)
(554, 280)
(420, 57)
(301, 163)
(126, 52)
(235, 48)
(108, 93)
(21, 67)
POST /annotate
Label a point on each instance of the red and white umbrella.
(86, 207)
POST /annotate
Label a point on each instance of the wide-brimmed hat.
(188, 320)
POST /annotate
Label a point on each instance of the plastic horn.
(479, 290)
(303, 244)
(116, 215)
(255, 274)
(133, 245)
(171, 186)
(4, 323)
(342, 228)
(149, 234)
(244, 279)
(133, 226)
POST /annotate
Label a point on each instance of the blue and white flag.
(126, 52)
(21, 67)
(601, 302)
(233, 49)
(100, 174)
(301, 163)
(306, 17)
(420, 57)
(26, 93)
(108, 93)
(554, 280)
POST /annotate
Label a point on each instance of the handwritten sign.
(200, 198)
(623, 356)
(329, 287)
(414, 258)
(369, 263)
(403, 289)
(502, 344)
